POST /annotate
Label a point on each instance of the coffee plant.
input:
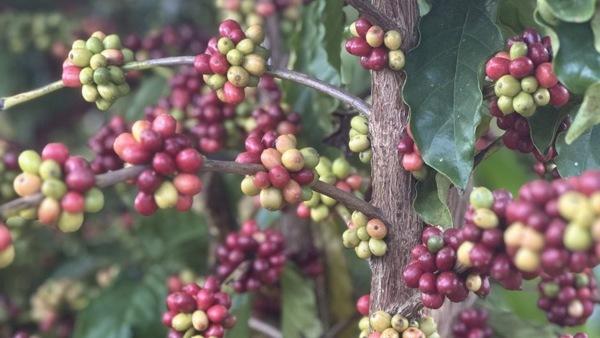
(198, 169)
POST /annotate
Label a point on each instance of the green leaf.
(545, 123)
(299, 313)
(432, 198)
(241, 307)
(588, 114)
(443, 85)
(334, 31)
(572, 10)
(150, 90)
(515, 15)
(129, 308)
(583, 154)
(577, 63)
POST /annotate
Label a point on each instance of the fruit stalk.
(372, 14)
(11, 101)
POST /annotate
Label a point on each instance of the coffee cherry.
(166, 195)
(559, 95)
(496, 67)
(518, 49)
(30, 161)
(70, 222)
(507, 85)
(545, 75)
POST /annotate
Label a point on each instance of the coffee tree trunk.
(393, 187)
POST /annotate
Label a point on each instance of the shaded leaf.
(595, 24)
(515, 15)
(432, 198)
(588, 114)
(545, 123)
(572, 10)
(129, 308)
(581, 155)
(443, 85)
(299, 309)
(241, 307)
(148, 93)
(577, 63)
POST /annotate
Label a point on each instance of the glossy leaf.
(544, 124)
(595, 24)
(588, 114)
(572, 10)
(443, 85)
(577, 62)
(515, 15)
(299, 307)
(581, 155)
(432, 198)
(129, 308)
(241, 307)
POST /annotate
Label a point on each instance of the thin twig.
(11, 101)
(264, 328)
(485, 152)
(367, 10)
(170, 61)
(323, 87)
(128, 173)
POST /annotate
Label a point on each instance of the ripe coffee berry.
(366, 236)
(172, 180)
(569, 298)
(410, 156)
(95, 66)
(472, 323)
(233, 61)
(180, 39)
(259, 254)
(199, 310)
(66, 182)
(382, 324)
(338, 173)
(376, 48)
(7, 251)
(102, 145)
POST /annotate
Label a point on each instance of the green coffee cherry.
(435, 244)
(551, 290)
(396, 60)
(380, 320)
(529, 84)
(507, 85)
(428, 325)
(359, 143)
(307, 193)
(399, 323)
(254, 64)
(54, 188)
(224, 45)
(341, 168)
(166, 195)
(255, 33)
(328, 201)
(363, 323)
(577, 238)
(238, 76)
(94, 45)
(365, 156)
(94, 200)
(481, 197)
(541, 96)
(523, 104)
(314, 200)
(181, 322)
(360, 124)
(485, 218)
(98, 61)
(390, 333)
(319, 213)
(108, 91)
(116, 75)
(359, 219)
(70, 222)
(102, 76)
(50, 169)
(112, 41)
(89, 93)
(350, 239)
(246, 46)
(123, 89)
(505, 104)
(271, 199)
(311, 157)
(30, 161)
(235, 57)
(80, 57)
(362, 250)
(518, 49)
(78, 44)
(127, 55)
(248, 187)
(102, 104)
(86, 76)
(392, 40)
(362, 233)
(377, 246)
(216, 81)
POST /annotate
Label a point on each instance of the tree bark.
(393, 188)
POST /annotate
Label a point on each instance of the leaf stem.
(11, 101)
(121, 175)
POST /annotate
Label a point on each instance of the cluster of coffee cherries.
(233, 61)
(577, 335)
(308, 261)
(381, 324)
(375, 47)
(259, 254)
(554, 226)
(102, 142)
(198, 311)
(451, 263)
(359, 138)
(179, 39)
(289, 171)
(338, 173)
(95, 66)
(410, 156)
(274, 116)
(9, 169)
(366, 236)
(7, 250)
(55, 302)
(568, 298)
(253, 12)
(171, 157)
(472, 323)
(66, 182)
(177, 281)
(523, 77)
